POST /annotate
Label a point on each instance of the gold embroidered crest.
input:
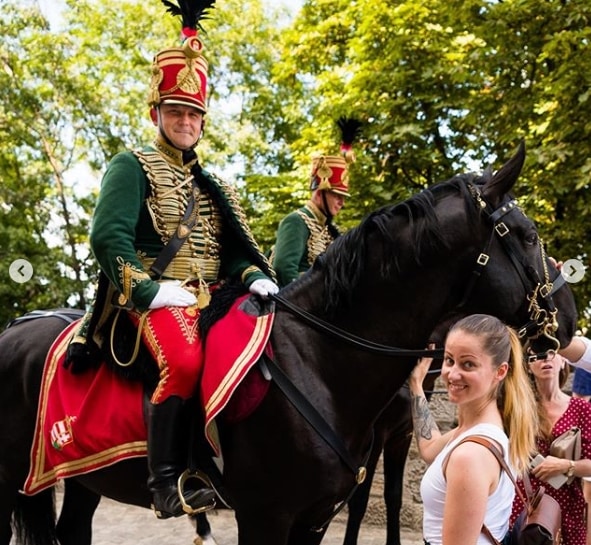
(187, 80)
(325, 173)
(183, 230)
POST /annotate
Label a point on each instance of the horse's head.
(460, 247)
(511, 276)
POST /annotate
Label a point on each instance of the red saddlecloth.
(234, 344)
(92, 420)
(84, 422)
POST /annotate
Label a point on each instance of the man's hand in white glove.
(264, 287)
(172, 295)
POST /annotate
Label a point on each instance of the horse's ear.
(504, 179)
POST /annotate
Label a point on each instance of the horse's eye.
(531, 238)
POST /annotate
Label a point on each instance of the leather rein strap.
(358, 342)
(315, 419)
(309, 412)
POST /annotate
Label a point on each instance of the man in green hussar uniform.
(165, 233)
(306, 233)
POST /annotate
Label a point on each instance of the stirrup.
(183, 478)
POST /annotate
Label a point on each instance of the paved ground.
(118, 524)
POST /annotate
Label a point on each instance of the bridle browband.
(542, 310)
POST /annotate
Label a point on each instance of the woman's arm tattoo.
(422, 420)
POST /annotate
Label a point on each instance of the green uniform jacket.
(123, 230)
(300, 241)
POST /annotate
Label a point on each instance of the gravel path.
(118, 524)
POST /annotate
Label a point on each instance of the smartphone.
(556, 481)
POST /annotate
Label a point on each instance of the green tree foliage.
(446, 86)
(247, 135)
(442, 87)
(75, 95)
(31, 159)
(61, 103)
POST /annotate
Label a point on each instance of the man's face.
(335, 202)
(181, 124)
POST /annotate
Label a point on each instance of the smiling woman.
(483, 369)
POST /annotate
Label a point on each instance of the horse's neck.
(349, 383)
(401, 313)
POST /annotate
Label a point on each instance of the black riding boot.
(165, 431)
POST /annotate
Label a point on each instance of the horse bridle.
(542, 310)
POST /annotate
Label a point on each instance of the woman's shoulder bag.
(567, 446)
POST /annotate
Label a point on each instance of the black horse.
(460, 247)
(393, 434)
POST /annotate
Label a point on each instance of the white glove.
(263, 287)
(172, 295)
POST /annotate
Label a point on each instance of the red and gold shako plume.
(179, 74)
(331, 172)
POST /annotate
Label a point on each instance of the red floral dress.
(569, 496)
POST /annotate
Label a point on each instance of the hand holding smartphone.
(555, 481)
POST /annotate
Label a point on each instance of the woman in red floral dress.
(558, 413)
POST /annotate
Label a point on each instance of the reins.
(310, 413)
(358, 342)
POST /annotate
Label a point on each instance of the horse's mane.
(344, 261)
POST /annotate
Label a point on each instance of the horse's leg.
(357, 505)
(7, 505)
(203, 529)
(395, 453)
(74, 526)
